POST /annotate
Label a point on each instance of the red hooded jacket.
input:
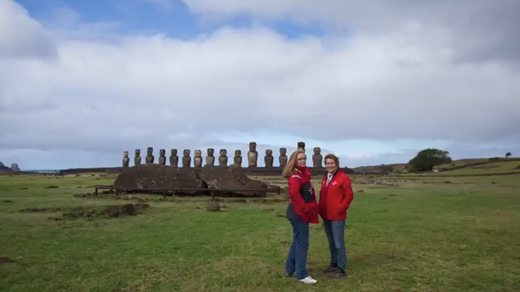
(335, 198)
(303, 205)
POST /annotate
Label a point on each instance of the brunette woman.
(335, 198)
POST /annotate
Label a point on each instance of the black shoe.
(331, 269)
(288, 275)
(339, 275)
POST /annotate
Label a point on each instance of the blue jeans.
(335, 231)
(297, 256)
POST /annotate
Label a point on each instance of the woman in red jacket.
(301, 211)
(335, 198)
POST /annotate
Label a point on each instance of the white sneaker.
(307, 280)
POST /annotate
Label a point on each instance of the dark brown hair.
(333, 157)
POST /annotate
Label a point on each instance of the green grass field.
(416, 234)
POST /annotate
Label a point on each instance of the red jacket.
(303, 205)
(335, 198)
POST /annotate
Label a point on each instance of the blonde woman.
(302, 210)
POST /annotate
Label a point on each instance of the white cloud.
(20, 35)
(136, 91)
(479, 29)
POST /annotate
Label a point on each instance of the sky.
(372, 81)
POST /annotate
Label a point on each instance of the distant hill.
(481, 166)
(383, 168)
(475, 163)
(461, 163)
(4, 168)
(466, 165)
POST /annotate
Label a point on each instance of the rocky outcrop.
(15, 167)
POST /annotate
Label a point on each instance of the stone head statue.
(237, 160)
(174, 159)
(283, 157)
(162, 157)
(149, 155)
(197, 160)
(252, 155)
(137, 158)
(186, 159)
(223, 160)
(210, 159)
(126, 160)
(301, 145)
(268, 159)
(317, 157)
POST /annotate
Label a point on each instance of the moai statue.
(210, 159)
(301, 145)
(197, 160)
(283, 157)
(317, 157)
(186, 159)
(126, 160)
(162, 157)
(149, 155)
(174, 159)
(268, 159)
(237, 160)
(223, 160)
(137, 158)
(252, 155)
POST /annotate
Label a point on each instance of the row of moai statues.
(252, 157)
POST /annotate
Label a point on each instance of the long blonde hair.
(291, 164)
